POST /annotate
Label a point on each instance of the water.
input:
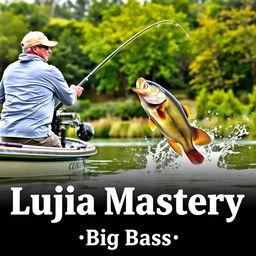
(230, 164)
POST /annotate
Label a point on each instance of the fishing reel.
(84, 131)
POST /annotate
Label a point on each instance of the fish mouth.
(141, 83)
(141, 87)
(139, 91)
(149, 93)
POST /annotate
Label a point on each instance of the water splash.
(162, 157)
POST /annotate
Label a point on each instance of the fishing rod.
(174, 23)
(124, 44)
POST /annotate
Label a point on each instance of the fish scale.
(166, 113)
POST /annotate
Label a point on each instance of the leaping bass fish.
(166, 113)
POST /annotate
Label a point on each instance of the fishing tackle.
(85, 131)
(174, 23)
(127, 42)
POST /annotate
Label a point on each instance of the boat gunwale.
(32, 153)
(45, 159)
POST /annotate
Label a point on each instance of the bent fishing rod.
(81, 84)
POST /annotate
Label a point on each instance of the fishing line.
(174, 23)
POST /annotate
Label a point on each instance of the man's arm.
(67, 95)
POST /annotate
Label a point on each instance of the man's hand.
(77, 89)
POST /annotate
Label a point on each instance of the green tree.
(79, 8)
(35, 16)
(224, 51)
(12, 29)
(97, 9)
(157, 55)
(68, 55)
(69, 58)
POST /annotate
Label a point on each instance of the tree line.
(219, 53)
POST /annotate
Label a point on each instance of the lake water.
(230, 164)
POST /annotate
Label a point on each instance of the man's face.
(42, 51)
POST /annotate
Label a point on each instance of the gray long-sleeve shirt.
(28, 90)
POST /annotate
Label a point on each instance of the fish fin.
(200, 137)
(176, 147)
(194, 156)
(151, 124)
(190, 112)
(161, 114)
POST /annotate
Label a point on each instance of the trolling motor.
(61, 120)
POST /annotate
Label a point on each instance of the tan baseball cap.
(36, 38)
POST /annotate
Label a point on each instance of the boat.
(17, 160)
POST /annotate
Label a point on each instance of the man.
(28, 90)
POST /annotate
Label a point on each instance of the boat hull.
(28, 161)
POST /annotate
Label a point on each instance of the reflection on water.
(228, 163)
(149, 163)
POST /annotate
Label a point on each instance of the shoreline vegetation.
(218, 112)
(138, 128)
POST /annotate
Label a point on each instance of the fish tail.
(194, 156)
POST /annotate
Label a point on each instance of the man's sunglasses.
(43, 46)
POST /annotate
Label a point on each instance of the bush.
(227, 128)
(124, 110)
(219, 103)
(129, 109)
(201, 103)
(253, 124)
(102, 128)
(135, 130)
(252, 100)
(139, 128)
(231, 106)
(119, 129)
